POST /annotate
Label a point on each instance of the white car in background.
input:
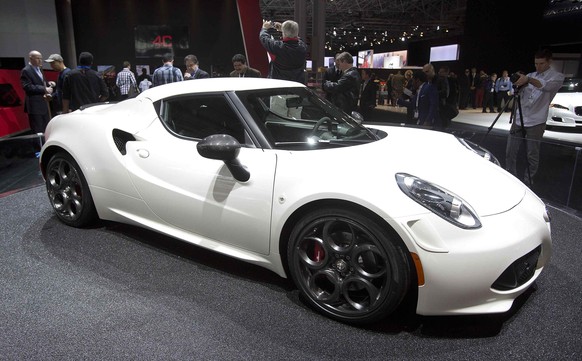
(566, 107)
(268, 172)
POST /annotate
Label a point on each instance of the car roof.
(215, 85)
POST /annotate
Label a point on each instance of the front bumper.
(480, 271)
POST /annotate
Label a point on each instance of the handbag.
(133, 91)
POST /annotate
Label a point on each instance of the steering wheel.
(320, 123)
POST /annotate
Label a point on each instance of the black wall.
(106, 29)
(501, 35)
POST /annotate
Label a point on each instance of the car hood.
(568, 99)
(439, 158)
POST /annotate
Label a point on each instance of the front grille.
(578, 110)
(519, 272)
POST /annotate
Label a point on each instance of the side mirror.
(226, 148)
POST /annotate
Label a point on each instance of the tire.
(348, 267)
(68, 192)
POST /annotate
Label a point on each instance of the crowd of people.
(432, 98)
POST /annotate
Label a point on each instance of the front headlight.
(558, 106)
(444, 204)
(482, 152)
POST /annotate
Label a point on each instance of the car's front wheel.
(68, 191)
(347, 266)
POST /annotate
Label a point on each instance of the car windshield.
(297, 118)
(571, 85)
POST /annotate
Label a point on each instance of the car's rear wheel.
(68, 191)
(347, 266)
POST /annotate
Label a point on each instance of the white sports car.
(566, 108)
(267, 172)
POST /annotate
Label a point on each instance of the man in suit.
(38, 94)
(368, 94)
(241, 69)
(426, 101)
(345, 92)
(193, 71)
(474, 84)
(332, 74)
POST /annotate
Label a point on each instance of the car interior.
(201, 116)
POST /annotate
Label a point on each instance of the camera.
(515, 76)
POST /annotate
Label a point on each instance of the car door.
(200, 195)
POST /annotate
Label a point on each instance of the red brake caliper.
(318, 252)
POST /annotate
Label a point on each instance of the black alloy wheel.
(68, 191)
(347, 266)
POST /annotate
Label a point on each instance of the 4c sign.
(162, 41)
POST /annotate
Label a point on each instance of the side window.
(201, 116)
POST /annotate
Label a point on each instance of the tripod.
(516, 105)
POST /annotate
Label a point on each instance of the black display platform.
(115, 292)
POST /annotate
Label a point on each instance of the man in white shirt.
(535, 92)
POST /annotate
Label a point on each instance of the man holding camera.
(288, 54)
(535, 92)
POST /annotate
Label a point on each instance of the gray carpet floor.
(115, 292)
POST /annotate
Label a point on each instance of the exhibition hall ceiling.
(362, 23)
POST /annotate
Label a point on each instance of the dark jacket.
(428, 104)
(287, 57)
(346, 91)
(35, 89)
(331, 74)
(368, 96)
(249, 73)
(84, 86)
(198, 74)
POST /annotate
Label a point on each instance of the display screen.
(153, 41)
(365, 58)
(444, 53)
(328, 61)
(391, 60)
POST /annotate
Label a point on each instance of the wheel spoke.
(360, 293)
(312, 253)
(369, 262)
(338, 235)
(325, 286)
